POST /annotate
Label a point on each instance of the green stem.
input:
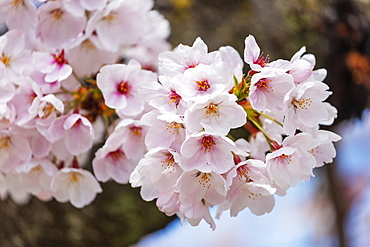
(272, 119)
(78, 79)
(256, 124)
(231, 137)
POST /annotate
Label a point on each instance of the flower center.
(47, 110)
(36, 170)
(173, 97)
(16, 3)
(174, 127)
(117, 155)
(314, 151)
(264, 86)
(302, 103)
(123, 87)
(192, 64)
(203, 85)
(74, 178)
(207, 144)
(169, 163)
(285, 159)
(60, 59)
(262, 61)
(135, 131)
(4, 142)
(243, 174)
(204, 179)
(57, 14)
(5, 60)
(212, 110)
(111, 17)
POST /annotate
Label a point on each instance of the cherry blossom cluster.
(188, 126)
(195, 163)
(52, 111)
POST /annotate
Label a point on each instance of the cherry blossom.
(305, 106)
(80, 74)
(10, 10)
(183, 58)
(56, 26)
(77, 186)
(216, 114)
(207, 152)
(120, 83)
(292, 162)
(157, 172)
(257, 60)
(75, 131)
(268, 89)
(54, 65)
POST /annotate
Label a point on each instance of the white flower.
(206, 152)
(305, 106)
(183, 58)
(250, 187)
(119, 84)
(268, 89)
(292, 162)
(56, 26)
(75, 185)
(216, 114)
(54, 65)
(156, 173)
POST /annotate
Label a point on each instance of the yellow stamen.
(302, 103)
(212, 110)
(74, 178)
(203, 85)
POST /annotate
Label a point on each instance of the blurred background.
(333, 209)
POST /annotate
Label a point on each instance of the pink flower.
(130, 135)
(183, 58)
(322, 147)
(166, 130)
(86, 58)
(14, 148)
(56, 26)
(292, 162)
(305, 106)
(250, 187)
(206, 153)
(302, 66)
(233, 59)
(257, 61)
(13, 53)
(216, 114)
(75, 185)
(156, 173)
(204, 80)
(55, 66)
(168, 202)
(37, 175)
(75, 130)
(163, 96)
(111, 162)
(129, 17)
(268, 89)
(119, 84)
(195, 212)
(16, 189)
(19, 14)
(195, 186)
